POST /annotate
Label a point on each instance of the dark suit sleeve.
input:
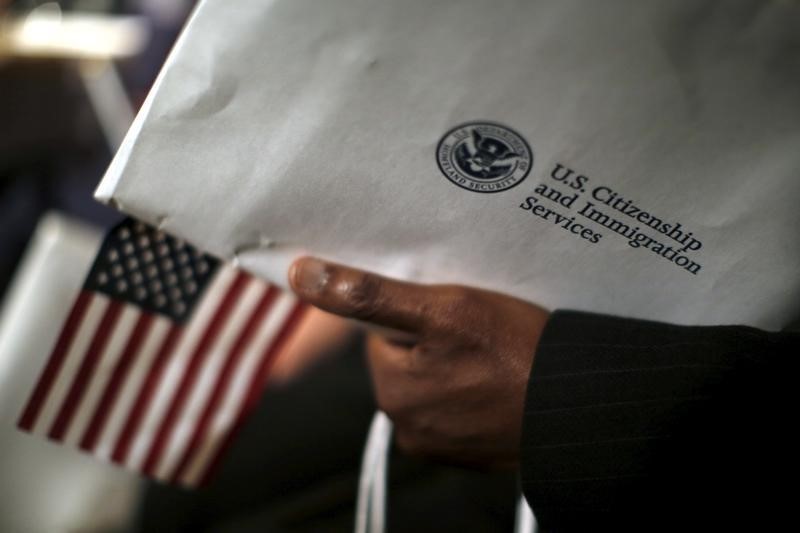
(635, 425)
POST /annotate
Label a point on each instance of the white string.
(379, 484)
(525, 522)
(371, 502)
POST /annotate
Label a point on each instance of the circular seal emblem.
(484, 157)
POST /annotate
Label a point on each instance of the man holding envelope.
(482, 162)
(628, 425)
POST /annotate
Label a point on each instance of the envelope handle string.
(371, 502)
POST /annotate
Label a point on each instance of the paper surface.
(293, 126)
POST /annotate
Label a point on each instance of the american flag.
(164, 353)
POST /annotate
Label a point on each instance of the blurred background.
(72, 75)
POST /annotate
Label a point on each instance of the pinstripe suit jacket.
(641, 426)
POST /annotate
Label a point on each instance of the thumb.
(365, 296)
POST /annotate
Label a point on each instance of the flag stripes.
(225, 375)
(174, 368)
(75, 352)
(125, 406)
(160, 396)
(229, 394)
(90, 359)
(92, 386)
(180, 432)
(210, 335)
(256, 381)
(114, 385)
(142, 403)
(56, 361)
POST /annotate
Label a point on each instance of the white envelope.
(519, 146)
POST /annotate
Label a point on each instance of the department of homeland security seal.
(484, 157)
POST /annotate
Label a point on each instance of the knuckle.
(463, 311)
(461, 301)
(359, 294)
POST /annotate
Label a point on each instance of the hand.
(457, 391)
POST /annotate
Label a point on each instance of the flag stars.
(160, 300)
(152, 269)
(190, 287)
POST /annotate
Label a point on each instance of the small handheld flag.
(164, 353)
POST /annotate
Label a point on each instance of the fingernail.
(311, 275)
